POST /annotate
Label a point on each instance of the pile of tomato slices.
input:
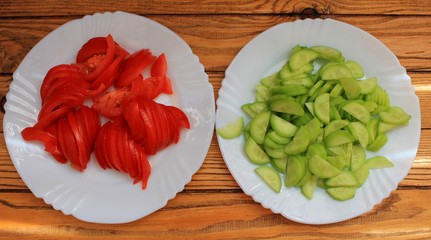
(108, 81)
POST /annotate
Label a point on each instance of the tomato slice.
(110, 104)
(180, 116)
(98, 63)
(150, 88)
(97, 46)
(159, 69)
(134, 65)
(55, 74)
(108, 77)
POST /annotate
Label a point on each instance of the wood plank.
(208, 39)
(10, 8)
(191, 216)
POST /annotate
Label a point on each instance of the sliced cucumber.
(368, 85)
(351, 87)
(321, 168)
(328, 53)
(232, 129)
(321, 108)
(270, 177)
(358, 111)
(279, 164)
(310, 186)
(255, 153)
(342, 193)
(299, 143)
(344, 179)
(301, 58)
(336, 71)
(355, 68)
(378, 162)
(378, 143)
(359, 156)
(338, 137)
(282, 127)
(259, 126)
(395, 115)
(295, 170)
(359, 132)
(289, 105)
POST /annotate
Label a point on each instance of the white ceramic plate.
(108, 196)
(266, 54)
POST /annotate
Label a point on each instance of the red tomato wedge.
(134, 65)
(116, 149)
(159, 69)
(110, 104)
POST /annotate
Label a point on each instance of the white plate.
(108, 196)
(266, 54)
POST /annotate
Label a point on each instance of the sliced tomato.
(159, 69)
(134, 65)
(151, 87)
(110, 104)
(180, 116)
(108, 77)
(97, 46)
(96, 64)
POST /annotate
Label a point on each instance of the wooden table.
(212, 206)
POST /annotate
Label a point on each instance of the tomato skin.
(159, 69)
(116, 149)
(134, 65)
(93, 73)
(149, 88)
(108, 77)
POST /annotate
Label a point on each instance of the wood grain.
(208, 39)
(10, 8)
(191, 216)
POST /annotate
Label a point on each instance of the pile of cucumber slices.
(311, 126)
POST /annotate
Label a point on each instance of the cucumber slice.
(316, 149)
(359, 132)
(336, 151)
(378, 143)
(386, 127)
(335, 125)
(362, 174)
(287, 106)
(282, 127)
(270, 177)
(355, 68)
(342, 193)
(314, 128)
(378, 162)
(372, 129)
(252, 109)
(336, 71)
(344, 179)
(351, 87)
(268, 142)
(359, 156)
(299, 143)
(368, 85)
(232, 129)
(259, 125)
(321, 168)
(358, 111)
(310, 186)
(275, 152)
(255, 153)
(328, 53)
(295, 170)
(277, 138)
(279, 164)
(289, 90)
(337, 161)
(395, 115)
(315, 88)
(307, 174)
(321, 108)
(338, 137)
(301, 58)
(336, 91)
(262, 93)
(270, 80)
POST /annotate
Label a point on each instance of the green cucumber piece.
(336, 71)
(368, 85)
(337, 161)
(359, 132)
(289, 90)
(252, 109)
(255, 153)
(359, 156)
(341, 193)
(270, 177)
(358, 111)
(351, 87)
(310, 186)
(275, 152)
(270, 80)
(299, 143)
(295, 170)
(262, 93)
(344, 179)
(282, 127)
(316, 149)
(259, 126)
(378, 143)
(301, 58)
(378, 162)
(232, 129)
(314, 128)
(328, 53)
(335, 125)
(279, 164)
(277, 138)
(338, 137)
(355, 68)
(395, 115)
(321, 108)
(321, 168)
(362, 174)
(290, 106)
